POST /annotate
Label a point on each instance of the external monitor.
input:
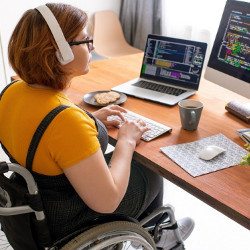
(229, 62)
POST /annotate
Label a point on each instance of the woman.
(77, 182)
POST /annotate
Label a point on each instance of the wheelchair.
(108, 232)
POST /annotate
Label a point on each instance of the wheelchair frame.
(108, 235)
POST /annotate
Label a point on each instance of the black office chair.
(23, 220)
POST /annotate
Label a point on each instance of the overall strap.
(6, 88)
(39, 133)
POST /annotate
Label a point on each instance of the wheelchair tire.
(113, 235)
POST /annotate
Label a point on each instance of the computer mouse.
(209, 152)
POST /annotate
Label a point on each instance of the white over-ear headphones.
(64, 54)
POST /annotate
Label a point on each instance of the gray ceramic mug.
(190, 113)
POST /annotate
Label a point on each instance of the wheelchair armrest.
(4, 168)
(31, 184)
(7, 211)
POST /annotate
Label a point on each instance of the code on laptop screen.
(175, 61)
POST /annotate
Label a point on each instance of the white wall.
(3, 74)
(12, 10)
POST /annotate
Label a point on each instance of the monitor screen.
(229, 62)
(176, 61)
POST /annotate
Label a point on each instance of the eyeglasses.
(89, 43)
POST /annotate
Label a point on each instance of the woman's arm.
(101, 187)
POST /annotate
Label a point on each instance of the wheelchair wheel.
(113, 235)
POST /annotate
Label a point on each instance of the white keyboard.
(156, 130)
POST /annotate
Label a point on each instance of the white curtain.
(192, 19)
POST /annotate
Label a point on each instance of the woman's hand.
(103, 113)
(132, 131)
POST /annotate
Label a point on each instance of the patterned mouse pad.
(186, 155)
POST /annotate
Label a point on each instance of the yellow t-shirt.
(70, 138)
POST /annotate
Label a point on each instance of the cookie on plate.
(114, 94)
(106, 98)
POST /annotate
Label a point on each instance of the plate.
(89, 98)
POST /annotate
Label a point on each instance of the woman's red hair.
(32, 48)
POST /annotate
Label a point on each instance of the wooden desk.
(226, 190)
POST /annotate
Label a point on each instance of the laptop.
(170, 72)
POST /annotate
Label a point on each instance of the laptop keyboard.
(156, 130)
(159, 88)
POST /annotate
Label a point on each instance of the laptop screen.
(174, 61)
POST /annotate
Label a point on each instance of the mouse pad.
(186, 155)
